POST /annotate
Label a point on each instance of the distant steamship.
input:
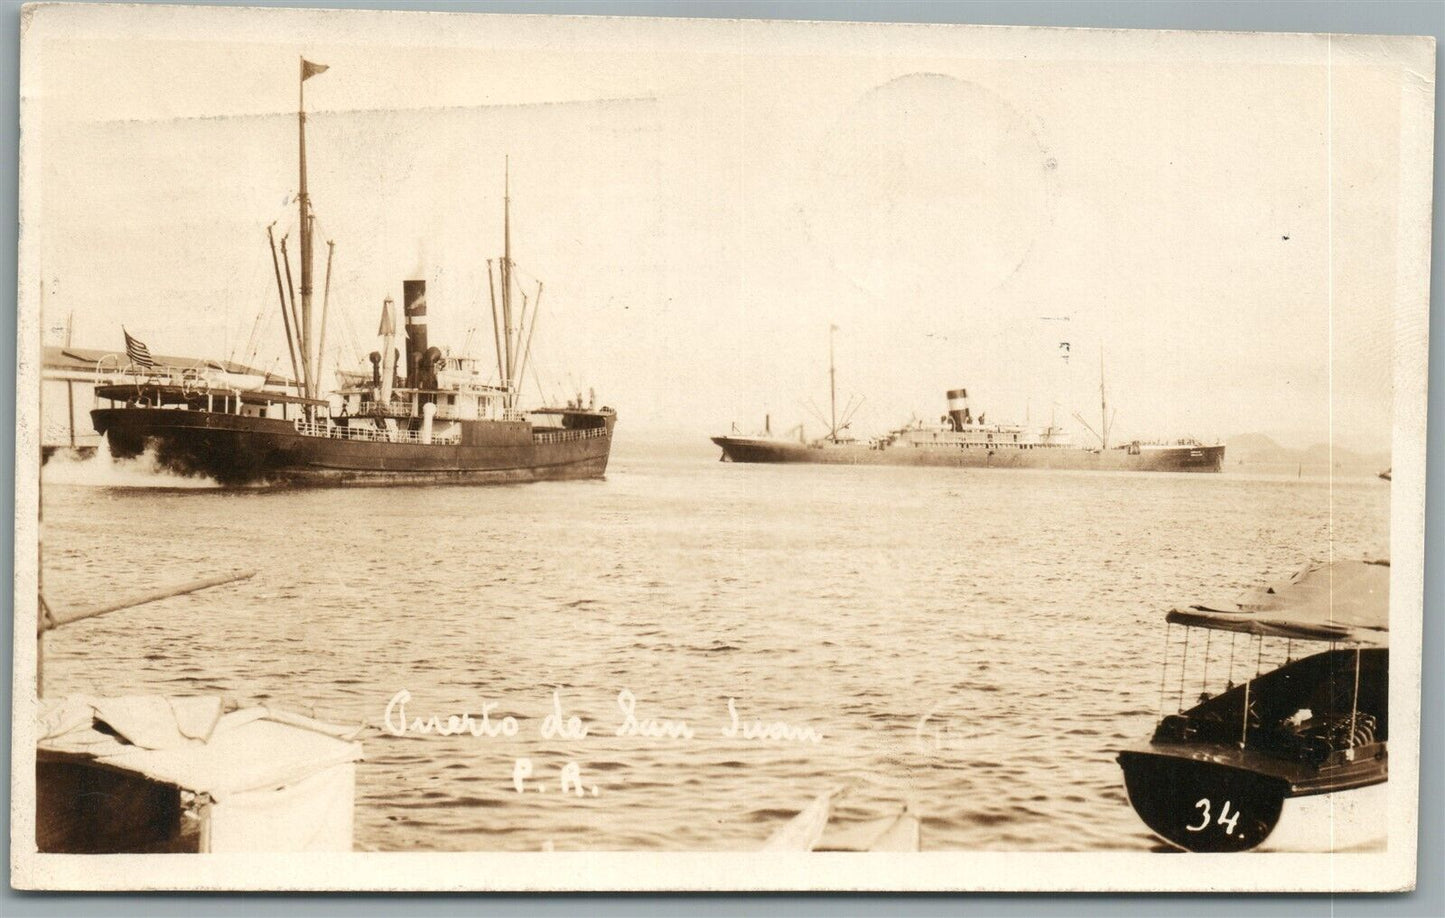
(962, 440)
(434, 418)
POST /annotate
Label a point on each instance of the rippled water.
(974, 643)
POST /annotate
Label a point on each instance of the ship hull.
(1164, 459)
(240, 450)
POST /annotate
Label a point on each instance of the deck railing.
(344, 432)
(109, 373)
(564, 436)
(370, 408)
(369, 434)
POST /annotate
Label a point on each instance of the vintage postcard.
(468, 452)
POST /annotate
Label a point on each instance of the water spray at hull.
(103, 470)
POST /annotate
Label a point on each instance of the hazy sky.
(704, 198)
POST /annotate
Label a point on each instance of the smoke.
(102, 470)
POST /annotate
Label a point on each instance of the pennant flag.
(309, 70)
(388, 326)
(139, 354)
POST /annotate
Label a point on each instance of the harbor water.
(975, 644)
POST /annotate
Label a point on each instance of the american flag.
(135, 349)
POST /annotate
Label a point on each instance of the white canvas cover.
(276, 781)
(313, 814)
(1342, 601)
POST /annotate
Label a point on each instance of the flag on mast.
(309, 70)
(135, 349)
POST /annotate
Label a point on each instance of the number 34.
(1227, 819)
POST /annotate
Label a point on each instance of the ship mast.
(307, 219)
(832, 386)
(303, 202)
(506, 271)
(1103, 405)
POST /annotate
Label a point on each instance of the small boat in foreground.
(184, 775)
(1294, 758)
(148, 774)
(815, 829)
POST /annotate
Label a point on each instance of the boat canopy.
(274, 781)
(1342, 601)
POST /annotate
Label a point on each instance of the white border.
(1105, 872)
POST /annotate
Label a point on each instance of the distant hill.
(1261, 449)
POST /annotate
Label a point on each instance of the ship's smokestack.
(958, 413)
(413, 297)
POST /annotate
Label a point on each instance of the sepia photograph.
(539, 452)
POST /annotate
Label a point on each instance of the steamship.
(961, 440)
(424, 416)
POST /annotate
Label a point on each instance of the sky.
(1215, 219)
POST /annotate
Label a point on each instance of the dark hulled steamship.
(435, 418)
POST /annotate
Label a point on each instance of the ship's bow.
(760, 449)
